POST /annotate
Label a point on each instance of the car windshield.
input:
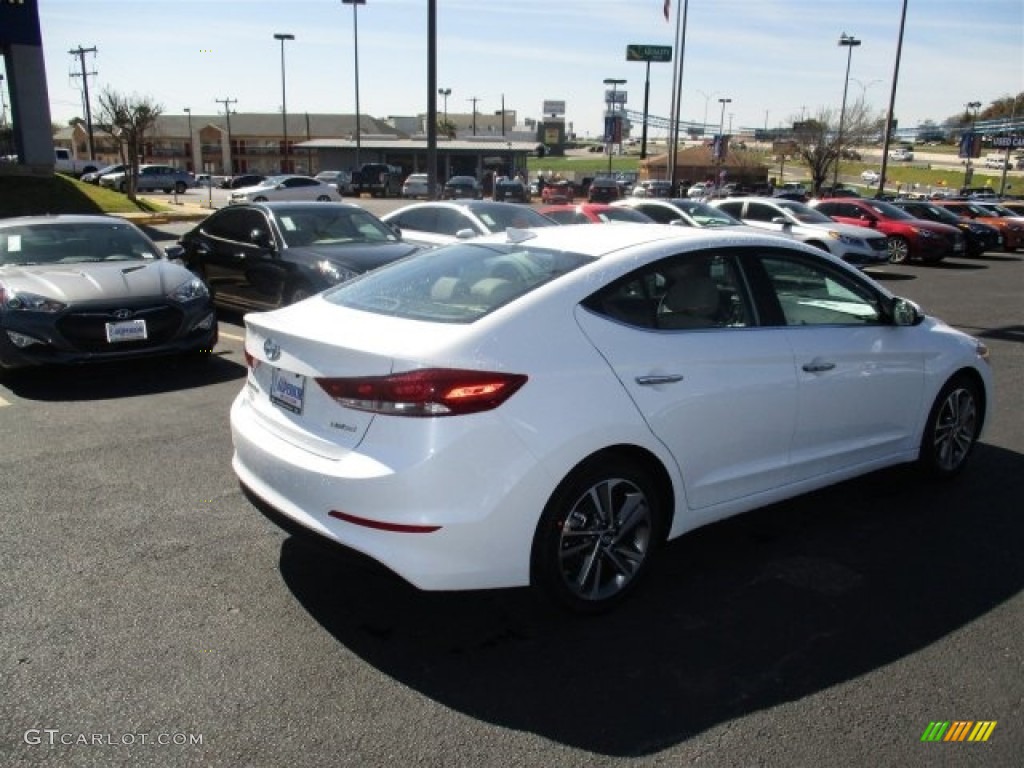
(615, 213)
(72, 243)
(704, 215)
(325, 225)
(998, 210)
(804, 213)
(939, 213)
(459, 283)
(888, 210)
(498, 217)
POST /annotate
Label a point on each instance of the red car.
(1009, 224)
(557, 192)
(593, 213)
(909, 237)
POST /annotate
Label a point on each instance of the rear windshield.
(459, 283)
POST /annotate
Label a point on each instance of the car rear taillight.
(427, 392)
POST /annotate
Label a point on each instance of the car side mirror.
(465, 234)
(905, 312)
(782, 220)
(260, 237)
(397, 230)
(175, 253)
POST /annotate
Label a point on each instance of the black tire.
(323, 199)
(180, 187)
(899, 250)
(597, 535)
(123, 187)
(952, 428)
(259, 199)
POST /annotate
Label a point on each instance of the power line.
(80, 53)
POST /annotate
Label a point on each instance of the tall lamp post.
(721, 138)
(355, 44)
(190, 154)
(849, 42)
(611, 122)
(282, 36)
(444, 93)
(972, 107)
(707, 98)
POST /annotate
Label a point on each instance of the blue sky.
(776, 59)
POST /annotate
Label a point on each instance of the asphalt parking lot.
(152, 617)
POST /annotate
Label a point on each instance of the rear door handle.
(650, 381)
(818, 366)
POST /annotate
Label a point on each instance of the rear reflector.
(382, 526)
(426, 392)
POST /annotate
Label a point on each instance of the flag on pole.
(668, 8)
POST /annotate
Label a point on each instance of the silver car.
(287, 187)
(77, 289)
(163, 178)
(857, 245)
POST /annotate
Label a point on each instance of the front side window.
(812, 293)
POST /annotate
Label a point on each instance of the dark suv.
(603, 190)
(909, 238)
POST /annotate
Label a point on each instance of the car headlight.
(334, 273)
(845, 239)
(190, 290)
(30, 302)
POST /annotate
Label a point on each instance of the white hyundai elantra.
(548, 406)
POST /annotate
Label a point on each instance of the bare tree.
(126, 119)
(820, 141)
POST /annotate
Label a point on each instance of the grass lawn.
(30, 195)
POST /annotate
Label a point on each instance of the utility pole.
(80, 53)
(474, 99)
(230, 170)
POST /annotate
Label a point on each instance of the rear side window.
(459, 283)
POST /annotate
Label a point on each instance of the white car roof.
(599, 241)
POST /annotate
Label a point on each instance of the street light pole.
(445, 93)
(613, 123)
(849, 42)
(707, 98)
(284, 103)
(972, 106)
(355, 43)
(721, 138)
(191, 149)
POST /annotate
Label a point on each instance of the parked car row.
(430, 361)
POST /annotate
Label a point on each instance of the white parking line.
(3, 402)
(232, 337)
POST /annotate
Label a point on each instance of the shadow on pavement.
(737, 617)
(109, 381)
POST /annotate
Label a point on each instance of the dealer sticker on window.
(288, 390)
(128, 330)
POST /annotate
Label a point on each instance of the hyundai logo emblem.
(123, 314)
(271, 349)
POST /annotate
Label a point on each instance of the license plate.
(128, 330)
(288, 390)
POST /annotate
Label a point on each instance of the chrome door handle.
(818, 367)
(650, 381)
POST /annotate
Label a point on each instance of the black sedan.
(266, 255)
(979, 237)
(462, 187)
(77, 289)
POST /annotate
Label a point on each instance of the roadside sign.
(638, 52)
(1003, 142)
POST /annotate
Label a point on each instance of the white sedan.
(549, 406)
(287, 188)
(870, 177)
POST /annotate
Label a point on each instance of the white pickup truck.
(64, 162)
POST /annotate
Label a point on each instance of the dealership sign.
(1007, 141)
(648, 52)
